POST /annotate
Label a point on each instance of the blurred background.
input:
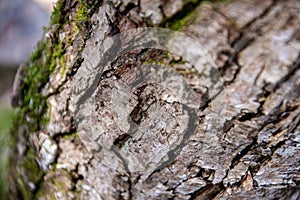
(21, 26)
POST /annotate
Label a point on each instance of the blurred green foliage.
(6, 115)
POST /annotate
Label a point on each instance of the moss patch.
(71, 136)
(82, 13)
(48, 55)
(58, 14)
(43, 61)
(187, 14)
(32, 115)
(28, 182)
(182, 17)
(56, 181)
(179, 24)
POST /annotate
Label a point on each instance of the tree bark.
(207, 108)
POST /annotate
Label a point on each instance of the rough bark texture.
(92, 127)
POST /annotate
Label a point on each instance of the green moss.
(33, 114)
(187, 14)
(24, 189)
(73, 135)
(57, 181)
(184, 16)
(43, 193)
(29, 162)
(155, 61)
(178, 25)
(31, 174)
(173, 62)
(82, 12)
(58, 15)
(60, 185)
(48, 55)
(43, 62)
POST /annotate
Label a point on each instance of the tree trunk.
(207, 108)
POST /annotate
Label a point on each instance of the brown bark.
(209, 114)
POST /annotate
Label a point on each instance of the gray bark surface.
(148, 124)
